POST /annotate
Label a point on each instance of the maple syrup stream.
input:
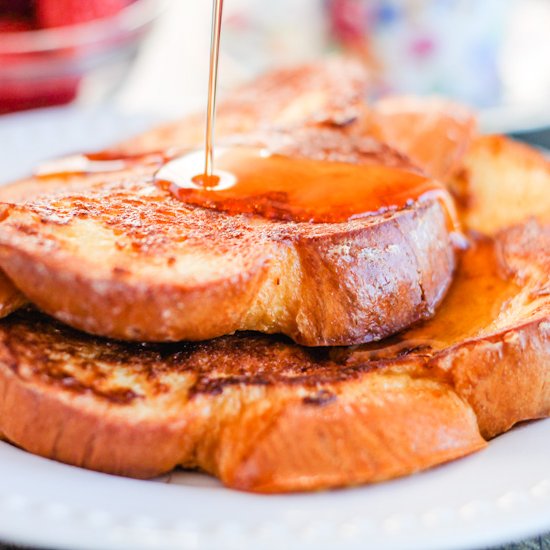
(256, 181)
(208, 179)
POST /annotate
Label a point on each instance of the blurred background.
(152, 55)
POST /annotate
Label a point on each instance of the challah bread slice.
(433, 133)
(259, 412)
(266, 415)
(328, 92)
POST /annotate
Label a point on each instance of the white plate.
(27, 139)
(498, 495)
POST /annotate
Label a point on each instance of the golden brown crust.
(501, 183)
(434, 133)
(328, 93)
(140, 412)
(168, 271)
(382, 428)
(506, 376)
(266, 415)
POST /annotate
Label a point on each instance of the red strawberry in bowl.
(18, 96)
(17, 8)
(60, 13)
(50, 50)
(14, 24)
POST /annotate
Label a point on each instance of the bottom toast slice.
(266, 415)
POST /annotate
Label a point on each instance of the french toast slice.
(502, 182)
(434, 133)
(168, 271)
(266, 415)
(329, 94)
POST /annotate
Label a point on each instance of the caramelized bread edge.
(359, 282)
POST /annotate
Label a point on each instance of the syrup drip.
(98, 163)
(253, 181)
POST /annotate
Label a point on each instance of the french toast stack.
(141, 333)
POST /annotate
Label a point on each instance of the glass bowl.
(83, 62)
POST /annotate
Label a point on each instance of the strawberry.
(16, 8)
(19, 96)
(60, 13)
(21, 88)
(14, 24)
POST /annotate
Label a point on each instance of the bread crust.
(125, 246)
(434, 133)
(326, 429)
(487, 188)
(505, 374)
(266, 415)
(490, 373)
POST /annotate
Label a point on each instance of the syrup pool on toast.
(254, 181)
(99, 162)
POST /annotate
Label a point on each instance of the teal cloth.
(537, 543)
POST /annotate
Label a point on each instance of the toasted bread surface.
(434, 133)
(502, 182)
(327, 93)
(25, 190)
(168, 271)
(266, 415)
